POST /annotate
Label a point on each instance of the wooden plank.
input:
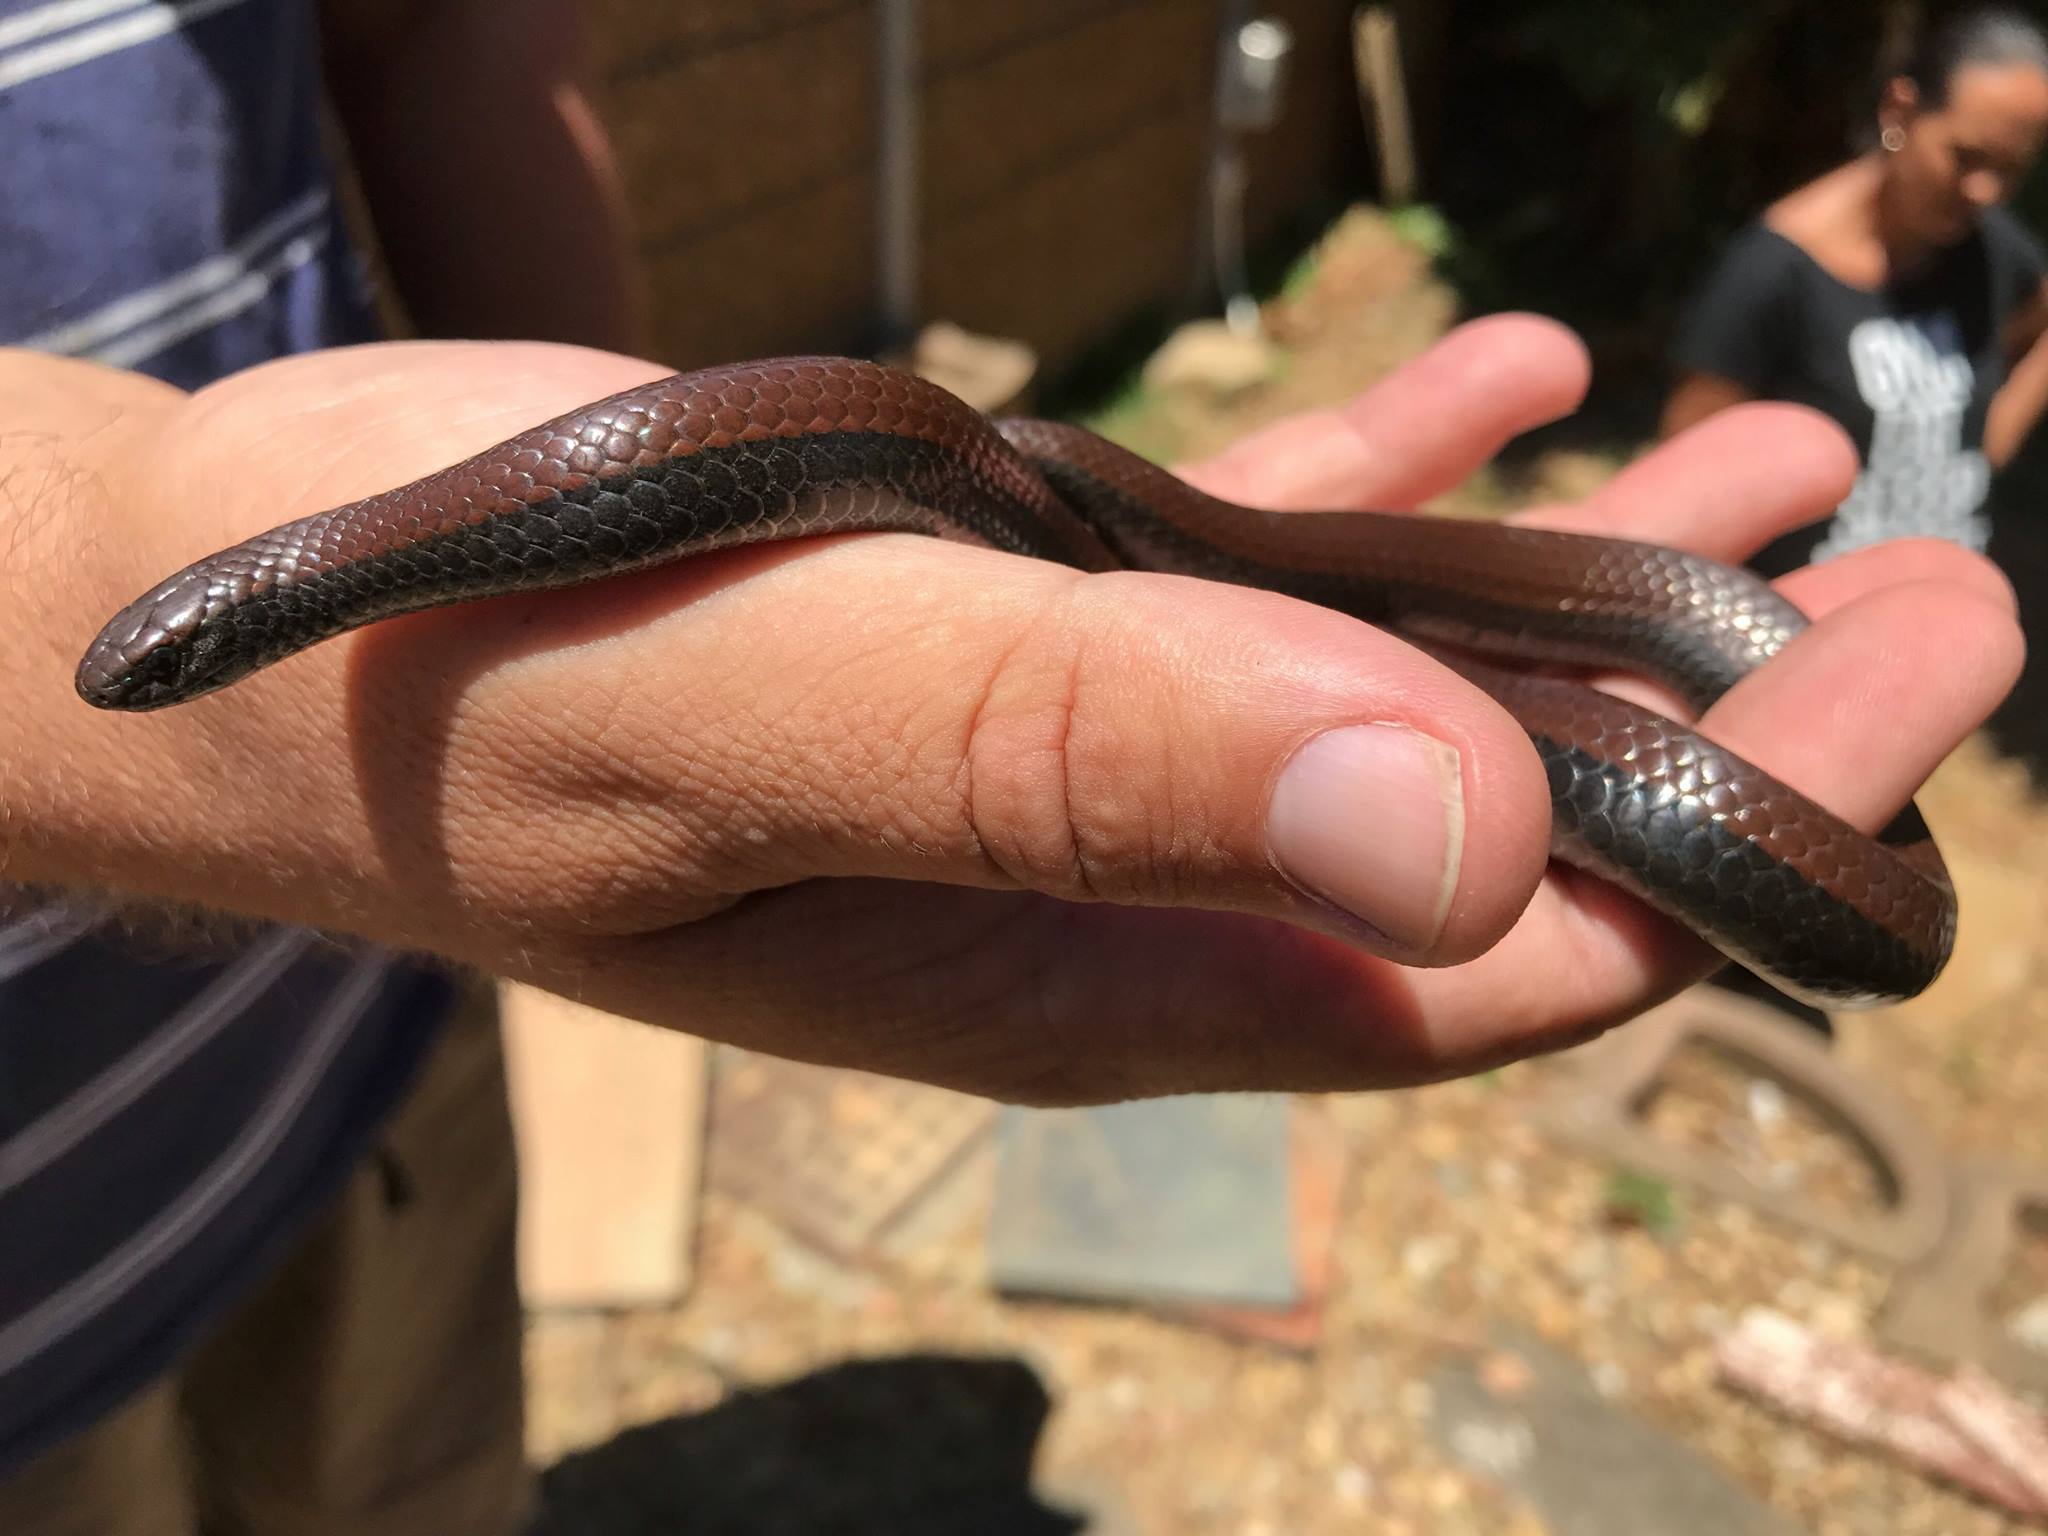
(966, 33)
(609, 1119)
(1965, 1430)
(711, 136)
(1066, 256)
(1037, 111)
(629, 37)
(795, 276)
(1377, 35)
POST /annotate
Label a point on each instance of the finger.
(1819, 589)
(904, 708)
(1045, 1002)
(1418, 432)
(1862, 707)
(1854, 715)
(1725, 488)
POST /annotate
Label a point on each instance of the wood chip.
(1970, 1432)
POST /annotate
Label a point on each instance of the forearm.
(250, 807)
(491, 182)
(372, 786)
(2016, 408)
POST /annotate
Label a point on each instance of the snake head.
(171, 644)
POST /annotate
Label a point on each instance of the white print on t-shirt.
(1919, 480)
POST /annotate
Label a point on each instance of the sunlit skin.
(561, 787)
(1889, 213)
(1958, 159)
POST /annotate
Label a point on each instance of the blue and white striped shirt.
(169, 1124)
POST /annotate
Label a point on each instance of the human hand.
(922, 808)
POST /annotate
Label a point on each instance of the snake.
(786, 448)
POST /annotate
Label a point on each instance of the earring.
(1893, 138)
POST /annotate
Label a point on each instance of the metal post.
(1250, 77)
(897, 169)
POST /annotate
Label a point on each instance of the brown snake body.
(788, 448)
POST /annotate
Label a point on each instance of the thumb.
(641, 753)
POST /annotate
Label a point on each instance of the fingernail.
(1371, 818)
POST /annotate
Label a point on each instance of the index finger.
(1419, 432)
(1724, 488)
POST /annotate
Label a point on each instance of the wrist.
(365, 785)
(200, 806)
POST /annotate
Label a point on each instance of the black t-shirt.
(1908, 370)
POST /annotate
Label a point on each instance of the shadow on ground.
(905, 1445)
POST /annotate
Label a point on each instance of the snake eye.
(145, 657)
(114, 677)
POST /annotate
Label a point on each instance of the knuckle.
(1069, 780)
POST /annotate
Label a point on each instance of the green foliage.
(1131, 420)
(1300, 276)
(1425, 228)
(1642, 1201)
(1650, 57)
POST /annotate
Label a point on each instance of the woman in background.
(1898, 296)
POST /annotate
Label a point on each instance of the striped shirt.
(168, 1123)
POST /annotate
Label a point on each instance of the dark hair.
(1987, 35)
